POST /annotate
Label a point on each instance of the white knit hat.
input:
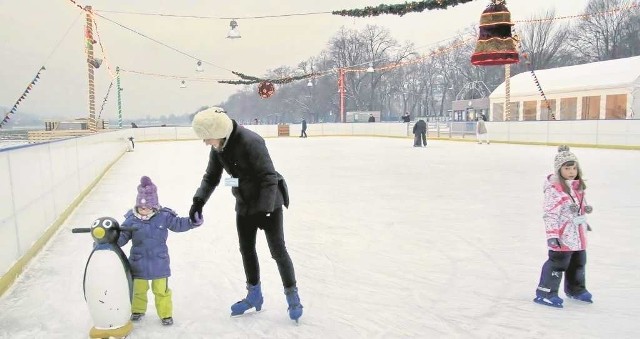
(212, 123)
(564, 155)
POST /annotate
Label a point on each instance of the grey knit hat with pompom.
(563, 156)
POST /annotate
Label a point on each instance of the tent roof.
(618, 73)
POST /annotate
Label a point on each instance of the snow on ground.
(387, 241)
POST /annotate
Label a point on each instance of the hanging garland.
(22, 97)
(400, 9)
(248, 79)
(527, 63)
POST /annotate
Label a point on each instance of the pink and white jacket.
(559, 218)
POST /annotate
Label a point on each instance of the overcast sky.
(31, 30)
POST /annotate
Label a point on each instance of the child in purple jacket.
(148, 225)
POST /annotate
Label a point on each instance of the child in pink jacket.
(566, 228)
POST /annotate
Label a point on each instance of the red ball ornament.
(266, 89)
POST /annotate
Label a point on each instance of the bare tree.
(602, 36)
(543, 41)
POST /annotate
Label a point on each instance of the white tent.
(599, 90)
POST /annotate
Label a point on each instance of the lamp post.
(370, 70)
(310, 87)
(341, 91)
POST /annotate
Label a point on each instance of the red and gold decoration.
(495, 44)
(14, 109)
(266, 89)
(400, 9)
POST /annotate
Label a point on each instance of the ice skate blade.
(247, 313)
(545, 303)
(580, 301)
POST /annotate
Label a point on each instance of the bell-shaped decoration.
(183, 84)
(233, 32)
(495, 46)
(199, 67)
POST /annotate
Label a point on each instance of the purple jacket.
(149, 257)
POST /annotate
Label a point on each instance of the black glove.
(196, 207)
(553, 242)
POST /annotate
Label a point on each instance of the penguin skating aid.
(107, 285)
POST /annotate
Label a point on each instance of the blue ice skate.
(584, 296)
(554, 301)
(293, 299)
(253, 299)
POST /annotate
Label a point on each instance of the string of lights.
(178, 77)
(185, 16)
(104, 54)
(163, 44)
(353, 68)
(581, 16)
(104, 101)
(214, 17)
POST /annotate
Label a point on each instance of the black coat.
(420, 127)
(245, 156)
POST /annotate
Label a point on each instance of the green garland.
(400, 9)
(248, 79)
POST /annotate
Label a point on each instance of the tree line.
(425, 84)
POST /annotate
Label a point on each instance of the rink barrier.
(64, 171)
(42, 184)
(615, 134)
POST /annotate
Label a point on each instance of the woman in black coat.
(260, 192)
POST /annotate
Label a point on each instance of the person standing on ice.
(147, 225)
(260, 192)
(481, 130)
(420, 134)
(566, 230)
(303, 133)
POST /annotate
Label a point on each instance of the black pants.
(303, 134)
(572, 263)
(420, 137)
(247, 227)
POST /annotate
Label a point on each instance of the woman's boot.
(253, 299)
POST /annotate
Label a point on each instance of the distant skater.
(481, 130)
(303, 134)
(420, 134)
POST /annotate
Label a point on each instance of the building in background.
(599, 90)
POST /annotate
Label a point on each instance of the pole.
(119, 98)
(341, 91)
(507, 89)
(89, 48)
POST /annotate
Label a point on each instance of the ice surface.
(387, 240)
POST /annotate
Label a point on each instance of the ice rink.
(388, 241)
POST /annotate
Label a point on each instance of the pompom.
(563, 148)
(145, 181)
